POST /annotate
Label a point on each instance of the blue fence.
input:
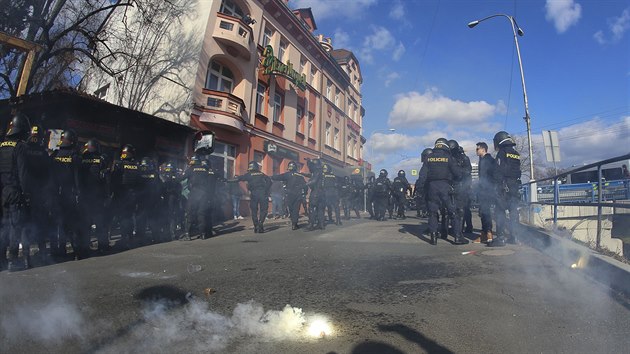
(582, 192)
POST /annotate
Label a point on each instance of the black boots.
(498, 241)
(260, 228)
(460, 240)
(294, 226)
(434, 238)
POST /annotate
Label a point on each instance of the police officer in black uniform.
(317, 197)
(13, 171)
(400, 186)
(442, 169)
(126, 180)
(215, 183)
(461, 186)
(94, 191)
(295, 184)
(357, 194)
(369, 186)
(382, 191)
(345, 192)
(507, 174)
(258, 185)
(149, 197)
(172, 192)
(420, 190)
(39, 187)
(66, 162)
(197, 213)
(331, 193)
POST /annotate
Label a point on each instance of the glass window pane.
(227, 73)
(219, 148)
(213, 82)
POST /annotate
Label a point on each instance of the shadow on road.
(415, 230)
(410, 334)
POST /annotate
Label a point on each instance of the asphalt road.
(379, 285)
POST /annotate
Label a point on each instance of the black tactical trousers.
(70, 225)
(317, 204)
(399, 201)
(507, 201)
(369, 206)
(380, 205)
(127, 208)
(332, 204)
(440, 195)
(197, 212)
(259, 206)
(294, 202)
(92, 207)
(461, 199)
(13, 216)
(485, 203)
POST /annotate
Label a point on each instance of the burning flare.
(319, 328)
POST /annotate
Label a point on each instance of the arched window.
(230, 8)
(219, 78)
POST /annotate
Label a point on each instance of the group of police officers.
(74, 192)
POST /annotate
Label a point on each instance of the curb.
(605, 270)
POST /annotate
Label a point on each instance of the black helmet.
(194, 160)
(128, 152)
(68, 138)
(441, 143)
(401, 173)
(147, 164)
(37, 134)
(253, 166)
(502, 138)
(92, 146)
(326, 168)
(382, 173)
(292, 166)
(315, 165)
(168, 168)
(18, 126)
(425, 154)
(453, 146)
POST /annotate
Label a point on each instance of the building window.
(337, 95)
(267, 37)
(283, 51)
(311, 126)
(299, 119)
(313, 75)
(328, 128)
(230, 8)
(329, 90)
(277, 107)
(336, 141)
(226, 25)
(260, 98)
(219, 78)
(260, 158)
(222, 159)
(354, 149)
(302, 65)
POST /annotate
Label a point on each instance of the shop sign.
(273, 149)
(272, 65)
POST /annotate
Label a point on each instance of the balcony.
(235, 35)
(221, 108)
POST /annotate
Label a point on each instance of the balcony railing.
(233, 32)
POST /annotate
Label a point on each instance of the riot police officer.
(258, 185)
(94, 191)
(331, 193)
(66, 162)
(461, 185)
(215, 181)
(317, 197)
(345, 191)
(295, 184)
(172, 192)
(400, 186)
(382, 190)
(357, 194)
(125, 183)
(149, 194)
(420, 190)
(507, 174)
(442, 169)
(12, 175)
(39, 187)
(370, 196)
(197, 213)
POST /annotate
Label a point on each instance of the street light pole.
(517, 30)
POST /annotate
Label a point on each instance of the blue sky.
(426, 74)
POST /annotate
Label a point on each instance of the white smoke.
(53, 321)
(193, 327)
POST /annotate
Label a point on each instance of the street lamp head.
(520, 32)
(473, 24)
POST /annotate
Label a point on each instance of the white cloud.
(391, 77)
(617, 26)
(398, 11)
(398, 52)
(594, 140)
(341, 39)
(563, 13)
(380, 40)
(414, 109)
(323, 9)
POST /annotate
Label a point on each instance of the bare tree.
(159, 61)
(522, 147)
(68, 32)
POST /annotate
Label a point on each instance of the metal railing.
(600, 194)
